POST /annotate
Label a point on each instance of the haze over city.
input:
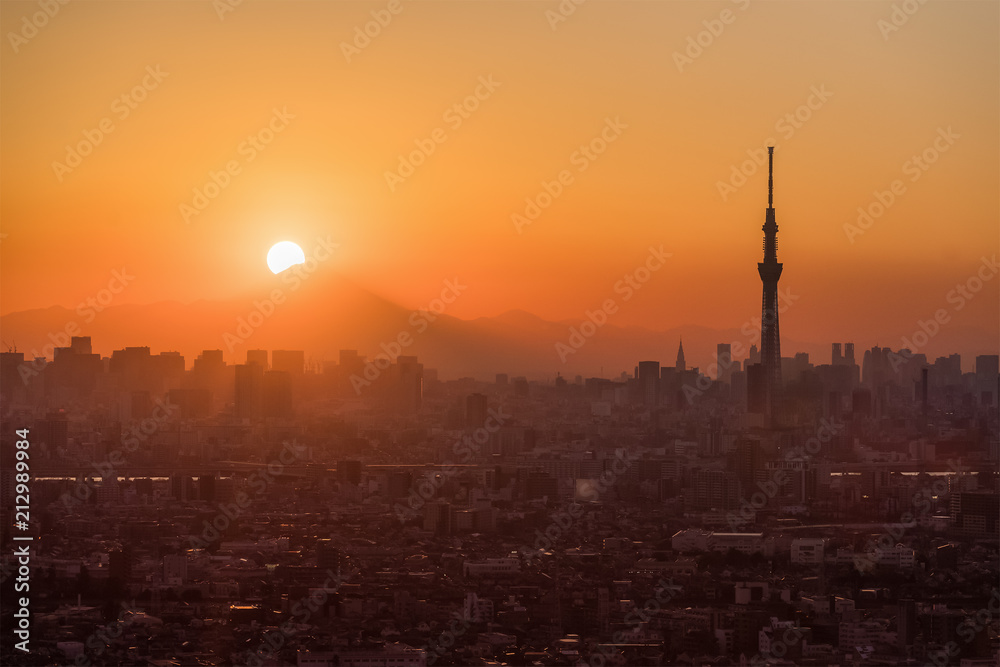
(571, 333)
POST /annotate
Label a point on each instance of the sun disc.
(283, 255)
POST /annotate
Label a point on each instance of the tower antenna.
(770, 176)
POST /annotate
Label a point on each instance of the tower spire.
(770, 176)
(680, 365)
(770, 272)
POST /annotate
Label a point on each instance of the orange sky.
(888, 97)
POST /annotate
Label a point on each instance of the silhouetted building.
(249, 391)
(409, 389)
(747, 460)
(329, 556)
(987, 371)
(475, 410)
(257, 357)
(976, 513)
(350, 471)
(861, 402)
(906, 623)
(278, 394)
(715, 490)
(756, 389)
(724, 362)
(206, 488)
(649, 383)
(770, 272)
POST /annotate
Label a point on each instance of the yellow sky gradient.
(657, 183)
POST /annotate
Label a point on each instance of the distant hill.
(325, 315)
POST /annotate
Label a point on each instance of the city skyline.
(406, 333)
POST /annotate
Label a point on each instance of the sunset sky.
(339, 118)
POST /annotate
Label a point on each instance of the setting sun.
(283, 255)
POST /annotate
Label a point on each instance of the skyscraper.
(258, 357)
(649, 383)
(680, 365)
(724, 362)
(249, 394)
(770, 272)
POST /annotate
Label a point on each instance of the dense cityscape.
(267, 514)
(330, 491)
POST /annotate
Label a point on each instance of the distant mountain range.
(325, 315)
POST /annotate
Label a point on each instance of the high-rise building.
(715, 489)
(329, 556)
(906, 623)
(81, 345)
(987, 370)
(724, 362)
(277, 390)
(836, 358)
(680, 365)
(350, 471)
(249, 391)
(770, 272)
(409, 375)
(849, 354)
(747, 460)
(258, 357)
(756, 392)
(649, 383)
(475, 410)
